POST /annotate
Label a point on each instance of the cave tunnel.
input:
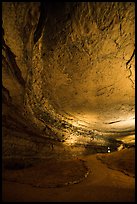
(68, 101)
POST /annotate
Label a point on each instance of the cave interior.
(68, 93)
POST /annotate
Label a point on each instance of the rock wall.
(68, 70)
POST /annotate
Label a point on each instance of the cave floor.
(103, 184)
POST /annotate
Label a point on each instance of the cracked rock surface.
(68, 73)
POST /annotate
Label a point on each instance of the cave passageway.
(68, 101)
(68, 75)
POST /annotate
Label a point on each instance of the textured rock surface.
(68, 72)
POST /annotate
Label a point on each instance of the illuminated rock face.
(68, 68)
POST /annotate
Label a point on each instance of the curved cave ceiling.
(69, 67)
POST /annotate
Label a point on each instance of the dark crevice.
(117, 121)
(6, 98)
(41, 22)
(130, 74)
(104, 88)
(105, 28)
(128, 66)
(130, 58)
(114, 122)
(13, 65)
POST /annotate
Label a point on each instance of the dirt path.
(102, 184)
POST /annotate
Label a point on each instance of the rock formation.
(68, 74)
